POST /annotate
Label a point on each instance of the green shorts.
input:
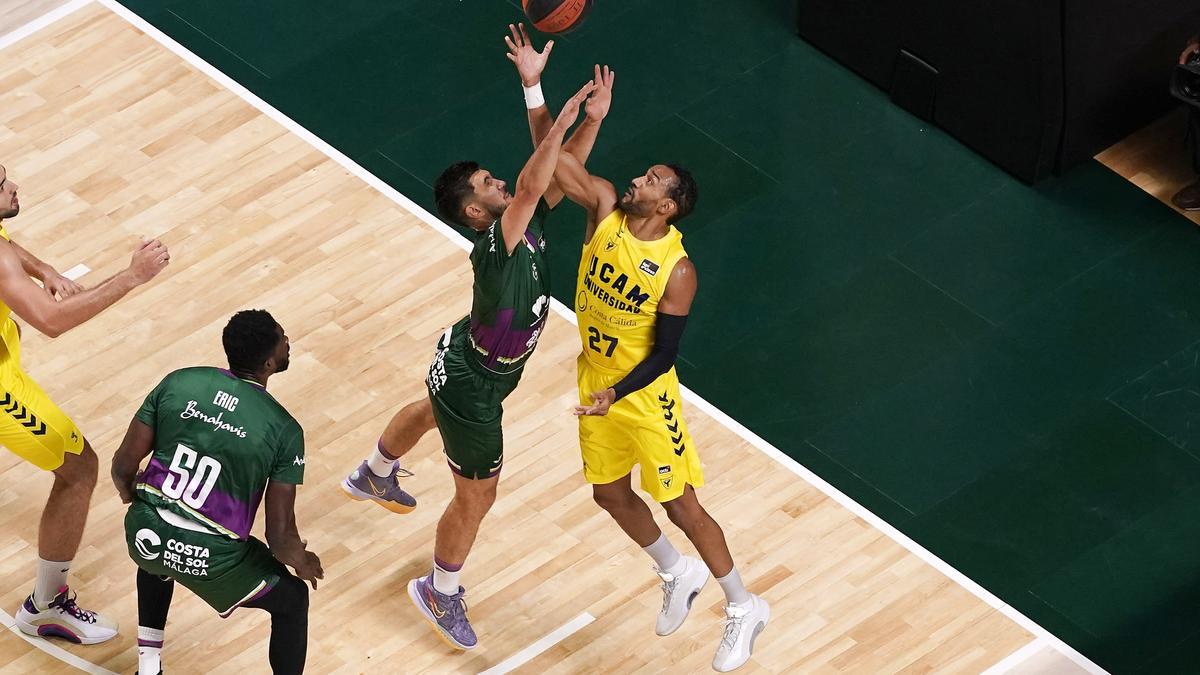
(468, 406)
(226, 573)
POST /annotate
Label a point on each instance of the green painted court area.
(1007, 374)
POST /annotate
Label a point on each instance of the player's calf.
(288, 605)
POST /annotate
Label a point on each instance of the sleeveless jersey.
(217, 440)
(511, 297)
(9, 337)
(621, 280)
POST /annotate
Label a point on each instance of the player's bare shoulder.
(681, 288)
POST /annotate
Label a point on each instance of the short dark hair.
(684, 193)
(452, 189)
(250, 338)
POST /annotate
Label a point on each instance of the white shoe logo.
(144, 540)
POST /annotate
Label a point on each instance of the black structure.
(1036, 86)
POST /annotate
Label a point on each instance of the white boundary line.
(42, 21)
(1008, 663)
(564, 312)
(51, 648)
(79, 270)
(529, 653)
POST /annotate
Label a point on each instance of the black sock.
(287, 603)
(154, 600)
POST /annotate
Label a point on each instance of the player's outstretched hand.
(601, 99)
(309, 568)
(529, 61)
(570, 109)
(601, 402)
(148, 260)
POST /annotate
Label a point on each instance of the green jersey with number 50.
(218, 439)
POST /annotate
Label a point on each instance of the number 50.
(195, 491)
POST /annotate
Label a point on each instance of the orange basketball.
(556, 16)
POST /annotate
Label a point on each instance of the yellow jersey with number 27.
(621, 281)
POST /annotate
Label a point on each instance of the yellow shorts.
(645, 428)
(31, 425)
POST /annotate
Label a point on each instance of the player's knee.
(686, 514)
(612, 498)
(80, 471)
(292, 600)
(477, 499)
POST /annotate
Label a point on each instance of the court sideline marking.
(42, 21)
(1041, 634)
(527, 654)
(1010, 662)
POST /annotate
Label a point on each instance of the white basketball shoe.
(743, 623)
(679, 590)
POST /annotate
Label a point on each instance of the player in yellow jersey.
(634, 291)
(33, 427)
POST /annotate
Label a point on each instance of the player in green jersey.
(480, 359)
(216, 440)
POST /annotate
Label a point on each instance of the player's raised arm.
(282, 536)
(596, 195)
(539, 170)
(136, 446)
(580, 144)
(35, 305)
(669, 323)
(530, 63)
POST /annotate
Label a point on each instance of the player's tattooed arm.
(282, 536)
(136, 446)
(535, 178)
(34, 305)
(597, 196)
(530, 63)
(54, 283)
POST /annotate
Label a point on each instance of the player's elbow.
(47, 320)
(48, 326)
(53, 326)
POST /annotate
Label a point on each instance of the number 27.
(594, 337)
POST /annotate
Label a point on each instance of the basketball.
(556, 16)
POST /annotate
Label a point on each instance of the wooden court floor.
(1154, 159)
(112, 137)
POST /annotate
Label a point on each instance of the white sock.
(379, 464)
(51, 577)
(446, 580)
(735, 591)
(665, 555)
(149, 655)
